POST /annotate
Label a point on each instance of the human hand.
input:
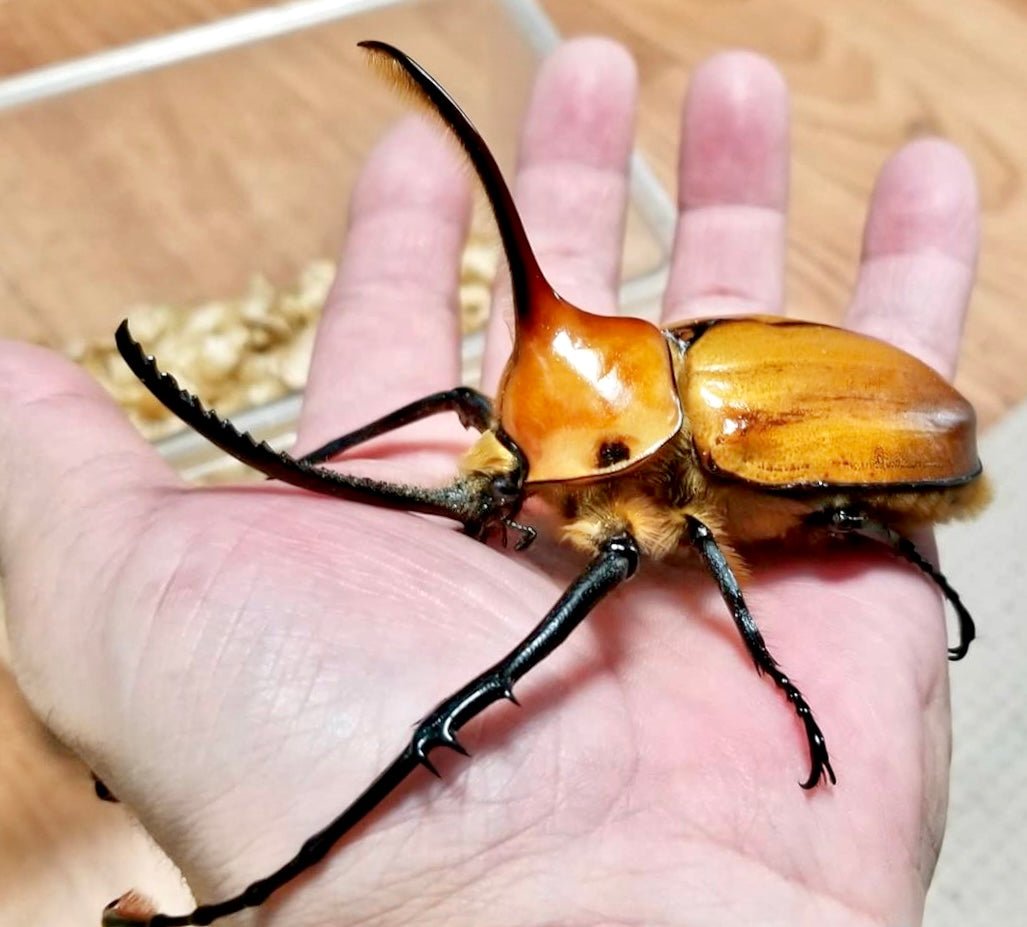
(238, 663)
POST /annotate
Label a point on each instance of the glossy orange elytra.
(707, 434)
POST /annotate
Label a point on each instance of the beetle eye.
(612, 452)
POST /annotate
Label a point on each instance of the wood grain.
(864, 77)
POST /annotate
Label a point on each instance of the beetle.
(704, 434)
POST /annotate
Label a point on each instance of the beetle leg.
(616, 561)
(477, 500)
(852, 521)
(702, 539)
(473, 408)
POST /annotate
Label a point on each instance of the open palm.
(238, 663)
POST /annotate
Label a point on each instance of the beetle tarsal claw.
(821, 762)
(101, 790)
(528, 534)
(130, 910)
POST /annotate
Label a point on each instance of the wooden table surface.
(864, 77)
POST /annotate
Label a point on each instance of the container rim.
(230, 32)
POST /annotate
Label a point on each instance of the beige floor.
(981, 876)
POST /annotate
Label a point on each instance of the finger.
(571, 185)
(919, 252)
(728, 254)
(389, 332)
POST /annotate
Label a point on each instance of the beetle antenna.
(528, 283)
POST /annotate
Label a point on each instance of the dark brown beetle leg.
(616, 561)
(474, 409)
(478, 501)
(701, 538)
(852, 521)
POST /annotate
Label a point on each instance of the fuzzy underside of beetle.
(653, 501)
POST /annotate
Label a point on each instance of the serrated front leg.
(478, 501)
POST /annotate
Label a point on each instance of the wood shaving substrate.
(239, 353)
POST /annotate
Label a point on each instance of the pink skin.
(238, 663)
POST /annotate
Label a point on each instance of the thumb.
(65, 447)
(75, 480)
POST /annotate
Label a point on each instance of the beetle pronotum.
(704, 433)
